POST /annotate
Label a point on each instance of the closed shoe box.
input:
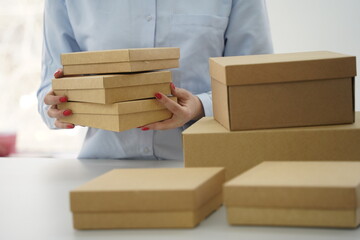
(147, 198)
(120, 60)
(283, 90)
(117, 116)
(113, 88)
(208, 144)
(311, 194)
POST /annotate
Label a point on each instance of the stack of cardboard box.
(255, 100)
(121, 99)
(267, 94)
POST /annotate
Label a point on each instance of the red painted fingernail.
(70, 126)
(63, 99)
(172, 86)
(158, 95)
(67, 112)
(57, 74)
(145, 129)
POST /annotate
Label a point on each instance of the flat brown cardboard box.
(113, 88)
(315, 194)
(120, 60)
(208, 144)
(117, 116)
(283, 90)
(148, 198)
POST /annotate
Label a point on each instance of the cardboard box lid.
(207, 125)
(286, 67)
(111, 81)
(316, 185)
(148, 190)
(120, 55)
(114, 108)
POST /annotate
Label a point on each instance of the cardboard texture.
(117, 116)
(120, 55)
(242, 150)
(124, 67)
(158, 219)
(318, 194)
(121, 60)
(283, 90)
(113, 88)
(148, 198)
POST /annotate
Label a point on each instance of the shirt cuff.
(206, 100)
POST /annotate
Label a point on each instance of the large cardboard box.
(315, 194)
(120, 60)
(283, 90)
(208, 144)
(147, 198)
(117, 116)
(113, 88)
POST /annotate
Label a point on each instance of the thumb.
(180, 92)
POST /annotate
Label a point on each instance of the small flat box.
(283, 90)
(310, 194)
(120, 60)
(113, 88)
(117, 116)
(147, 198)
(208, 144)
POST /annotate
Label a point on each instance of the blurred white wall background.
(20, 63)
(297, 25)
(312, 25)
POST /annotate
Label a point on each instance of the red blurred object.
(7, 144)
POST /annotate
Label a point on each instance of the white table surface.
(34, 204)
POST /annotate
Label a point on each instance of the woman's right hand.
(53, 100)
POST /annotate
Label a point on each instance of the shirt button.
(149, 18)
(146, 150)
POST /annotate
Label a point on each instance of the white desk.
(34, 204)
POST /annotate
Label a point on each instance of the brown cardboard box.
(148, 198)
(121, 60)
(283, 90)
(113, 88)
(117, 116)
(315, 194)
(208, 144)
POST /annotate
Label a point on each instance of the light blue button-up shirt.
(200, 28)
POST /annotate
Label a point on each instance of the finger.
(52, 99)
(179, 92)
(59, 73)
(163, 125)
(60, 124)
(53, 112)
(171, 105)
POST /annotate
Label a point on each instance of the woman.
(201, 29)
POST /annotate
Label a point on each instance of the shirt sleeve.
(206, 100)
(58, 37)
(248, 30)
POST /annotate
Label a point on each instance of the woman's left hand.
(188, 107)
